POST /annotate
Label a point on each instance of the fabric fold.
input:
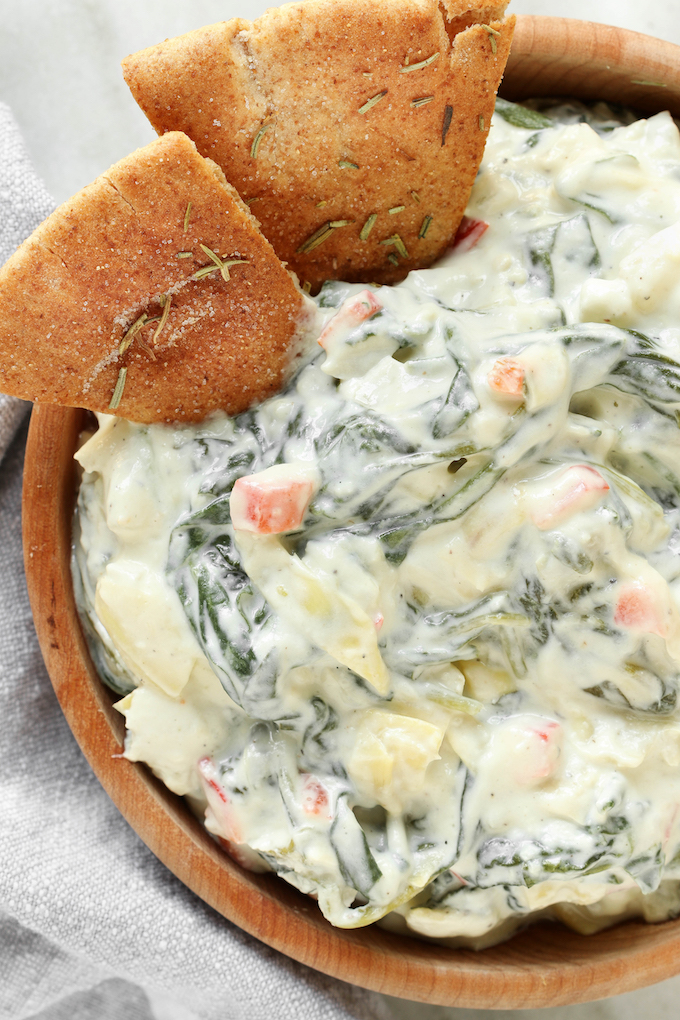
(91, 923)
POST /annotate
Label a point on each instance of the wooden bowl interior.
(546, 964)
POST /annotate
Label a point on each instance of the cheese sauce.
(446, 695)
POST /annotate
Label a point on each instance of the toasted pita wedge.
(353, 128)
(162, 236)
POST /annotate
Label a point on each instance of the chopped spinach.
(521, 116)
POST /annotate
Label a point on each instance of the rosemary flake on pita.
(166, 302)
(419, 66)
(254, 148)
(132, 333)
(417, 131)
(448, 116)
(396, 240)
(215, 346)
(317, 238)
(425, 226)
(368, 227)
(118, 390)
(370, 103)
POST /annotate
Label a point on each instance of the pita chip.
(151, 294)
(353, 129)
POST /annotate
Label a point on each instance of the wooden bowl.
(547, 965)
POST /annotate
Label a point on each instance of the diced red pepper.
(525, 750)
(354, 310)
(468, 233)
(314, 798)
(637, 609)
(218, 801)
(543, 750)
(580, 487)
(273, 501)
(534, 750)
(507, 377)
(209, 777)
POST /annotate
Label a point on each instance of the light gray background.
(60, 74)
(59, 71)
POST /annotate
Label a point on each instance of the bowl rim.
(545, 965)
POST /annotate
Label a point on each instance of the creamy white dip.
(447, 699)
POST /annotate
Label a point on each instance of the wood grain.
(585, 60)
(546, 965)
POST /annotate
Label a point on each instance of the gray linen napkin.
(91, 924)
(24, 203)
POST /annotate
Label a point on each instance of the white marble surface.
(59, 71)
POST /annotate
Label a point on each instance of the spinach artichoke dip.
(408, 633)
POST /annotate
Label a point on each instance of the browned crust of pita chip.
(128, 246)
(462, 14)
(354, 129)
